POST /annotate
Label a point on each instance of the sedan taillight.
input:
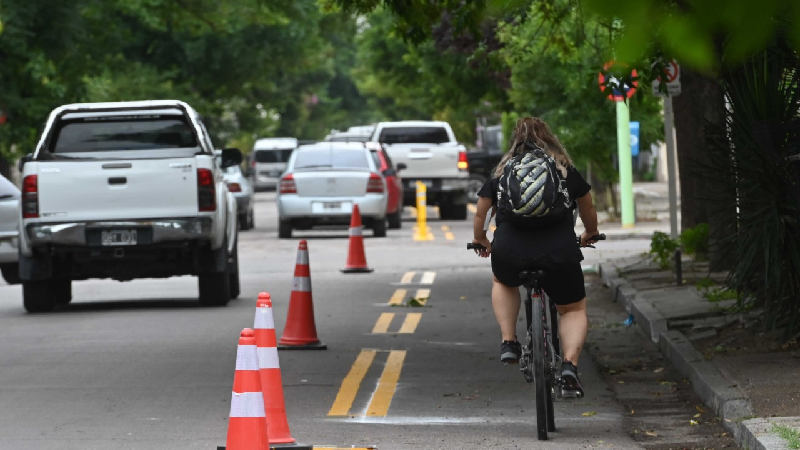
(287, 185)
(375, 184)
(206, 191)
(30, 197)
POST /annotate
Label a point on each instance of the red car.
(394, 184)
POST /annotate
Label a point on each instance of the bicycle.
(540, 362)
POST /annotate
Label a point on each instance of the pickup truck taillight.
(375, 184)
(462, 161)
(234, 187)
(206, 191)
(30, 197)
(287, 185)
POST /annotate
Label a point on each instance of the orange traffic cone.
(247, 424)
(300, 331)
(270, 372)
(356, 261)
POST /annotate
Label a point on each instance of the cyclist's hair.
(533, 130)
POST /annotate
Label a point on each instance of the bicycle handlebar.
(597, 237)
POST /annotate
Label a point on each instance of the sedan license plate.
(332, 206)
(118, 237)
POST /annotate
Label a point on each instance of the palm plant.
(760, 150)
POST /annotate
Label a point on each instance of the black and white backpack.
(531, 189)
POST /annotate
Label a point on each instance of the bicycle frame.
(537, 298)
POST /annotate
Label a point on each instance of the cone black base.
(312, 346)
(357, 270)
(280, 446)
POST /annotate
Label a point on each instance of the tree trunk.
(699, 115)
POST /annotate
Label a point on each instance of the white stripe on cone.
(301, 284)
(302, 257)
(246, 358)
(356, 231)
(264, 319)
(268, 358)
(247, 404)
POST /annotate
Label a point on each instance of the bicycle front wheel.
(541, 380)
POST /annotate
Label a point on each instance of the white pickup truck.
(433, 156)
(126, 190)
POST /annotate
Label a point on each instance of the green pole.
(625, 165)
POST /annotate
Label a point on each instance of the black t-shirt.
(576, 186)
(549, 243)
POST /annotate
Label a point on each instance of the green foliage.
(713, 292)
(694, 241)
(662, 249)
(555, 52)
(761, 141)
(698, 32)
(790, 435)
(252, 68)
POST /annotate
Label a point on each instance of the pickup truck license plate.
(118, 237)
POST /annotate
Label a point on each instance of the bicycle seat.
(530, 277)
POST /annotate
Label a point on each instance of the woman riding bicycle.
(549, 245)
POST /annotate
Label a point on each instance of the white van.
(269, 160)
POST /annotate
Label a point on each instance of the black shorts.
(554, 251)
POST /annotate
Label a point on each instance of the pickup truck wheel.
(394, 219)
(233, 271)
(10, 273)
(61, 291)
(251, 220)
(379, 228)
(36, 296)
(284, 229)
(453, 212)
(214, 288)
(474, 185)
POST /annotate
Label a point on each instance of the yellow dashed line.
(472, 208)
(449, 236)
(350, 383)
(407, 277)
(383, 322)
(411, 322)
(423, 295)
(382, 398)
(398, 297)
(427, 278)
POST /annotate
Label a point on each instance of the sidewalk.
(751, 385)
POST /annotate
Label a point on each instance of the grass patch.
(790, 435)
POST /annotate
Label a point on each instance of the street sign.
(634, 138)
(619, 89)
(671, 74)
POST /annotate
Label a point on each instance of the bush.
(694, 241)
(662, 249)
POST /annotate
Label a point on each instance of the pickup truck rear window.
(129, 133)
(273, 156)
(310, 159)
(414, 135)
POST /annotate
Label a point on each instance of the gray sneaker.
(510, 352)
(570, 384)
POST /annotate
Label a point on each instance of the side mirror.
(23, 160)
(401, 166)
(389, 172)
(231, 157)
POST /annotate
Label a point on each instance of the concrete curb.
(759, 435)
(727, 401)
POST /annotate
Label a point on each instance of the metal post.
(669, 138)
(625, 165)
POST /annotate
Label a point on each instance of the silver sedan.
(323, 181)
(9, 226)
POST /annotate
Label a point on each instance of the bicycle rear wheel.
(552, 364)
(541, 379)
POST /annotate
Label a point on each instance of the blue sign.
(634, 138)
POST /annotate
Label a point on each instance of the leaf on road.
(697, 415)
(589, 413)
(693, 422)
(633, 411)
(651, 433)
(699, 408)
(462, 298)
(417, 302)
(659, 370)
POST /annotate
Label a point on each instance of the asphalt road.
(139, 365)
